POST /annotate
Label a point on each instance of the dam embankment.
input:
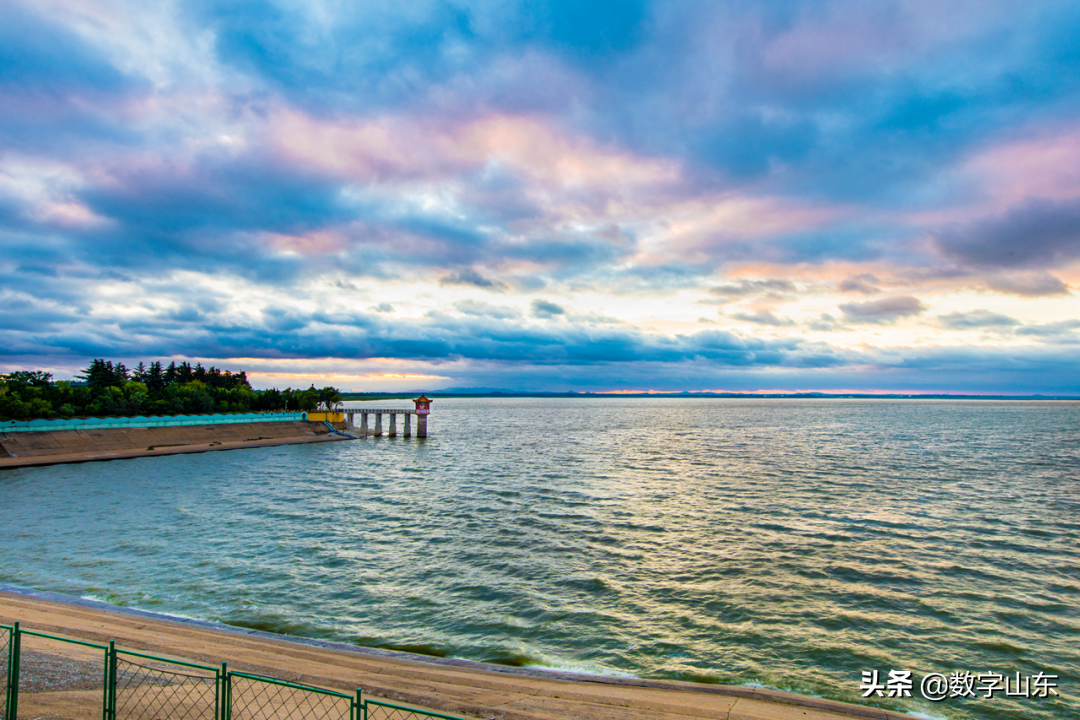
(53, 447)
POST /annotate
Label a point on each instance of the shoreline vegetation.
(107, 389)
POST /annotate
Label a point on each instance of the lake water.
(791, 543)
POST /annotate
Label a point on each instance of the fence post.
(219, 693)
(110, 682)
(13, 671)
(7, 673)
(105, 688)
(226, 693)
(358, 710)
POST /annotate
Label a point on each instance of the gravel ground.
(41, 672)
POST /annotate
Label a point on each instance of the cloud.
(754, 287)
(1038, 232)
(36, 50)
(886, 310)
(186, 314)
(865, 283)
(1063, 331)
(471, 277)
(629, 152)
(976, 319)
(480, 334)
(1028, 284)
(545, 309)
(763, 317)
(500, 346)
(482, 309)
(825, 323)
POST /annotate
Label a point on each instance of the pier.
(371, 419)
(371, 422)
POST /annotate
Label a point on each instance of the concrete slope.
(66, 446)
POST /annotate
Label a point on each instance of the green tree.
(133, 387)
(102, 374)
(109, 389)
(308, 400)
(140, 373)
(155, 377)
(29, 378)
(329, 398)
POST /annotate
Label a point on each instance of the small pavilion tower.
(423, 409)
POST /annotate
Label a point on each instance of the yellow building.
(331, 417)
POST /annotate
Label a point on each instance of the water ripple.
(786, 543)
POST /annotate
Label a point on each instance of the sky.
(549, 196)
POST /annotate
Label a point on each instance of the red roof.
(422, 399)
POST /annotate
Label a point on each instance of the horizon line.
(461, 392)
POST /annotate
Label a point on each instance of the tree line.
(108, 389)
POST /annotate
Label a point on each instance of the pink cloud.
(1046, 166)
(843, 37)
(396, 149)
(830, 44)
(312, 243)
(694, 228)
(1043, 164)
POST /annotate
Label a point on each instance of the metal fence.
(137, 686)
(7, 652)
(140, 421)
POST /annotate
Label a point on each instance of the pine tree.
(100, 374)
(155, 379)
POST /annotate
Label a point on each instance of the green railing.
(140, 421)
(7, 654)
(137, 686)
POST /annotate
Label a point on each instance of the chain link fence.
(375, 710)
(46, 666)
(61, 677)
(252, 697)
(148, 688)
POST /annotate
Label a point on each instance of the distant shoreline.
(435, 395)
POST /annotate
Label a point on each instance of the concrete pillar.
(349, 420)
(378, 424)
(363, 424)
(406, 417)
(421, 426)
(393, 424)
